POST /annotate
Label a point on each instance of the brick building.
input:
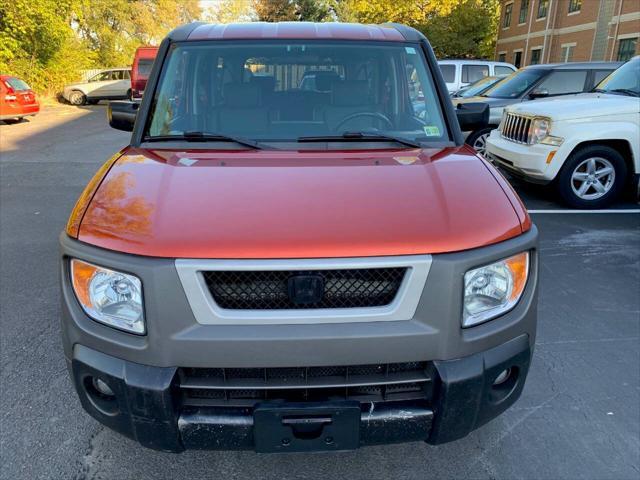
(550, 31)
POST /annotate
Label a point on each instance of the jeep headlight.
(109, 297)
(539, 129)
(494, 289)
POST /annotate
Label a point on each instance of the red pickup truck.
(284, 269)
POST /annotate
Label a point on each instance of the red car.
(17, 100)
(140, 70)
(283, 269)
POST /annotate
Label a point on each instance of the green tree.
(313, 11)
(33, 30)
(409, 12)
(293, 10)
(115, 28)
(229, 11)
(455, 28)
(275, 10)
(38, 44)
(468, 31)
(49, 42)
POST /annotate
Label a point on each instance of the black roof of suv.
(577, 66)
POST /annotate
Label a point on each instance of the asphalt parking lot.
(579, 416)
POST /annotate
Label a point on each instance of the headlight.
(494, 289)
(539, 129)
(109, 297)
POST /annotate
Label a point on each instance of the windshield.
(281, 91)
(478, 87)
(100, 77)
(515, 84)
(144, 67)
(625, 79)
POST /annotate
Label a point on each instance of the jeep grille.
(517, 128)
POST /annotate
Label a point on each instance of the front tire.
(592, 177)
(77, 98)
(478, 140)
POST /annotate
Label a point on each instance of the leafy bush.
(48, 43)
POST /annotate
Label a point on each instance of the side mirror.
(472, 116)
(122, 115)
(538, 93)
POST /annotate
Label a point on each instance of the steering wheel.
(421, 120)
(377, 115)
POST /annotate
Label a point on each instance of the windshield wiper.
(205, 137)
(625, 91)
(361, 136)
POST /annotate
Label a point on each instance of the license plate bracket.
(304, 427)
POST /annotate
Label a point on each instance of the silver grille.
(517, 128)
(413, 270)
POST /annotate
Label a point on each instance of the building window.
(524, 8)
(502, 57)
(517, 59)
(543, 6)
(507, 15)
(575, 6)
(567, 53)
(535, 56)
(626, 49)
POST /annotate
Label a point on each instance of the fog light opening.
(102, 387)
(504, 385)
(502, 377)
(101, 395)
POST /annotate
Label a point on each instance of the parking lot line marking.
(629, 210)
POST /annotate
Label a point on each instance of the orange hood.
(275, 204)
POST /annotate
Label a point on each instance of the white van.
(460, 73)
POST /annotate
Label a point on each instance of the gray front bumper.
(176, 339)
(146, 373)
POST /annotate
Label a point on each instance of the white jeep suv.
(588, 144)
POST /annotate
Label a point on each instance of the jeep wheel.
(478, 140)
(592, 177)
(77, 98)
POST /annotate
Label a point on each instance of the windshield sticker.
(410, 50)
(406, 160)
(187, 162)
(431, 130)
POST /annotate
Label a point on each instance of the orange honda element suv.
(282, 269)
